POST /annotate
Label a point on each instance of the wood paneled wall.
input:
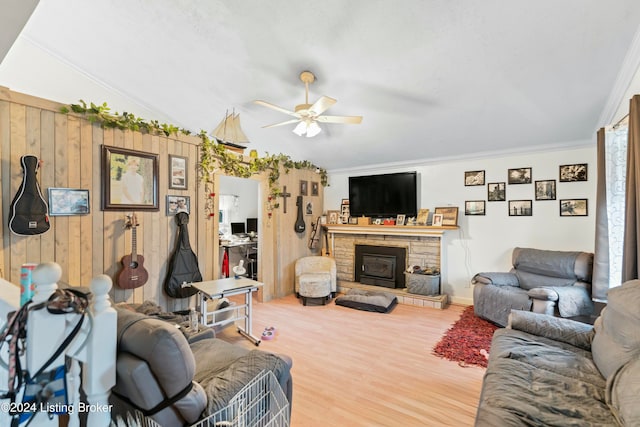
(88, 245)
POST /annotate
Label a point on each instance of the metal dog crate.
(260, 403)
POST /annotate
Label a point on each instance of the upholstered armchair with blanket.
(557, 283)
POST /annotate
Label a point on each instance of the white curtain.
(615, 176)
(609, 274)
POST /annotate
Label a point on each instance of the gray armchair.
(557, 283)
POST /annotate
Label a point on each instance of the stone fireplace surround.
(423, 246)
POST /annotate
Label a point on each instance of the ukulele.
(133, 273)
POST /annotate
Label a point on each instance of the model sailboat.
(229, 132)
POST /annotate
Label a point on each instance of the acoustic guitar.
(133, 274)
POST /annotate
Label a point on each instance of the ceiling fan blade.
(275, 107)
(288, 122)
(321, 105)
(354, 120)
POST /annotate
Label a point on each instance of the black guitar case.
(299, 226)
(29, 212)
(183, 265)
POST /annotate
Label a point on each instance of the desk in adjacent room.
(214, 289)
(249, 244)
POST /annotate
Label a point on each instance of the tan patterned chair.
(315, 277)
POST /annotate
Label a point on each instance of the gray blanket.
(222, 386)
(573, 301)
(535, 381)
(497, 302)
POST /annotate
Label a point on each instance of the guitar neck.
(134, 244)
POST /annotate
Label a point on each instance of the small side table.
(214, 289)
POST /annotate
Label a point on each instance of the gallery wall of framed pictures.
(543, 190)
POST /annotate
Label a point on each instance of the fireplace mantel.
(388, 230)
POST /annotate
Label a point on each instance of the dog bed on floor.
(380, 302)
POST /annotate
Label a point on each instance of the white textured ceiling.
(433, 79)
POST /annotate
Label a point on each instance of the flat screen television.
(384, 195)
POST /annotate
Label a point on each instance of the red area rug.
(465, 340)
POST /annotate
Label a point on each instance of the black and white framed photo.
(400, 219)
(520, 208)
(496, 192)
(68, 201)
(474, 207)
(178, 172)
(304, 188)
(472, 178)
(315, 188)
(308, 208)
(546, 189)
(574, 207)
(177, 204)
(519, 176)
(573, 173)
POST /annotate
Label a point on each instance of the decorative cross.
(284, 196)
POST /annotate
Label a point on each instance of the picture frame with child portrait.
(129, 180)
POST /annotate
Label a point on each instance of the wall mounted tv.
(385, 195)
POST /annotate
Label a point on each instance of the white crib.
(94, 346)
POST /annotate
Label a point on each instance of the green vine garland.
(214, 155)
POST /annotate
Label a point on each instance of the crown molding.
(627, 72)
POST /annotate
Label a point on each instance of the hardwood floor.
(356, 368)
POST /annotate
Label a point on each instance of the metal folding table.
(215, 289)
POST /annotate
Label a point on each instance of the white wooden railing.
(94, 346)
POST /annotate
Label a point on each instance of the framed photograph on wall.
(474, 207)
(129, 180)
(546, 190)
(177, 172)
(472, 178)
(496, 192)
(315, 188)
(573, 173)
(303, 188)
(574, 207)
(519, 176)
(68, 201)
(520, 208)
(449, 215)
(177, 204)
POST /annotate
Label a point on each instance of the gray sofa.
(176, 377)
(549, 371)
(543, 281)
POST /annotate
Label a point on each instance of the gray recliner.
(557, 283)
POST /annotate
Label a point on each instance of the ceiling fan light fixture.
(300, 129)
(313, 129)
(308, 115)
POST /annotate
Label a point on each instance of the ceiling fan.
(308, 115)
